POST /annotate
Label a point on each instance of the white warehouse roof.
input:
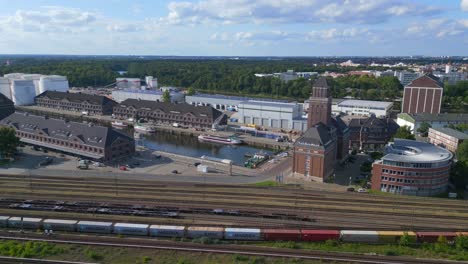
(365, 103)
(259, 104)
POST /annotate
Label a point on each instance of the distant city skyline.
(235, 27)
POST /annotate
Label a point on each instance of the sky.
(235, 27)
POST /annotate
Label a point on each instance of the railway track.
(222, 249)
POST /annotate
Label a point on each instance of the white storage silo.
(53, 83)
(151, 83)
(23, 92)
(5, 88)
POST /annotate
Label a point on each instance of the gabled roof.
(198, 111)
(373, 122)
(92, 135)
(76, 97)
(316, 136)
(321, 82)
(427, 80)
(339, 124)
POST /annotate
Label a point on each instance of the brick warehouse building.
(423, 95)
(317, 150)
(76, 102)
(79, 139)
(371, 134)
(413, 168)
(6, 106)
(169, 113)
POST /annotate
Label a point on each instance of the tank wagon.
(228, 233)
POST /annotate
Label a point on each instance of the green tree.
(166, 96)
(459, 175)
(462, 152)
(424, 129)
(8, 142)
(404, 132)
(190, 91)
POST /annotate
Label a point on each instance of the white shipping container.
(131, 229)
(359, 236)
(167, 231)
(211, 232)
(242, 233)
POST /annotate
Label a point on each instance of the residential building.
(362, 108)
(325, 141)
(371, 134)
(414, 121)
(149, 95)
(452, 77)
(76, 102)
(6, 106)
(446, 137)
(413, 168)
(168, 113)
(423, 95)
(287, 76)
(83, 140)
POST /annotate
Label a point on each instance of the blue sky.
(235, 27)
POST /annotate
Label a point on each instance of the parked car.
(122, 168)
(362, 190)
(350, 189)
(46, 161)
(196, 164)
(175, 172)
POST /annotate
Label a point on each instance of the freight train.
(227, 233)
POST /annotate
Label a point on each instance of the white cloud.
(124, 28)
(291, 11)
(438, 27)
(464, 5)
(50, 19)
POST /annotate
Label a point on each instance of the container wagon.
(59, 225)
(319, 235)
(242, 234)
(25, 222)
(95, 227)
(359, 236)
(282, 234)
(392, 237)
(4, 221)
(131, 229)
(203, 231)
(431, 237)
(167, 231)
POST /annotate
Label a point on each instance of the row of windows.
(416, 165)
(412, 173)
(166, 116)
(60, 142)
(48, 103)
(395, 188)
(419, 182)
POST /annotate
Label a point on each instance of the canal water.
(191, 146)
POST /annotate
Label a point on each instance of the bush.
(238, 257)
(405, 240)
(391, 252)
(331, 243)
(92, 254)
(145, 259)
(461, 243)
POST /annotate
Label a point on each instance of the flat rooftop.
(404, 150)
(365, 103)
(237, 98)
(445, 117)
(268, 104)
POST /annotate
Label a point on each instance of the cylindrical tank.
(23, 92)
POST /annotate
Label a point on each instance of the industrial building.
(76, 102)
(446, 137)
(423, 95)
(413, 168)
(149, 95)
(362, 108)
(168, 113)
(414, 121)
(83, 140)
(269, 114)
(128, 83)
(6, 106)
(22, 88)
(222, 102)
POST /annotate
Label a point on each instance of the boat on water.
(117, 124)
(144, 129)
(221, 140)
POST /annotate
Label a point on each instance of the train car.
(167, 231)
(431, 237)
(203, 231)
(59, 225)
(392, 237)
(131, 229)
(95, 227)
(319, 235)
(242, 234)
(4, 221)
(359, 236)
(282, 234)
(25, 222)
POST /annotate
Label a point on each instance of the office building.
(446, 137)
(406, 77)
(423, 95)
(362, 108)
(413, 168)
